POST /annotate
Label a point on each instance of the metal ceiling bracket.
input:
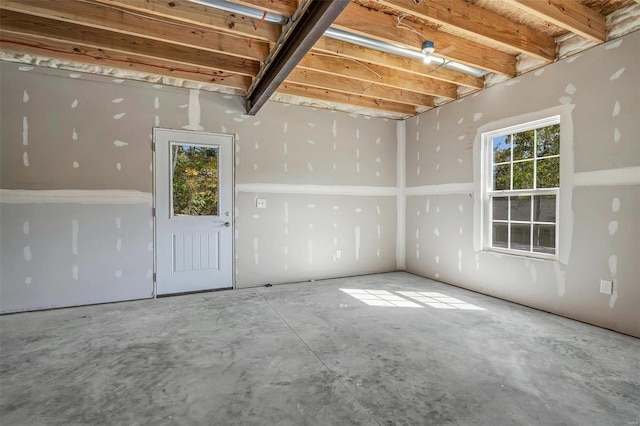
(297, 41)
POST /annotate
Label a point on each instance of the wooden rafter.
(358, 87)
(38, 46)
(371, 23)
(365, 54)
(568, 14)
(281, 7)
(378, 75)
(195, 13)
(85, 37)
(107, 18)
(480, 23)
(325, 95)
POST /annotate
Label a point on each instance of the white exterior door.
(193, 198)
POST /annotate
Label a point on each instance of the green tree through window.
(525, 181)
(195, 180)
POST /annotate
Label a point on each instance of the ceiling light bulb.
(428, 47)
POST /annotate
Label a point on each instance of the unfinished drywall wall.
(598, 92)
(76, 179)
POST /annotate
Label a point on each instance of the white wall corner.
(401, 200)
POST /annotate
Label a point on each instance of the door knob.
(227, 224)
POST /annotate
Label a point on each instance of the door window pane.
(544, 239)
(521, 236)
(544, 208)
(194, 180)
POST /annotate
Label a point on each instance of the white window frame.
(487, 191)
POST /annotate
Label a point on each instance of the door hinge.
(154, 277)
(153, 212)
(153, 146)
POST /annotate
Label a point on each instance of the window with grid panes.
(522, 188)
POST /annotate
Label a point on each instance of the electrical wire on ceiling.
(404, 26)
(348, 59)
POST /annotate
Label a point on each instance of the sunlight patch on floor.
(431, 299)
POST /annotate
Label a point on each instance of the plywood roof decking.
(220, 49)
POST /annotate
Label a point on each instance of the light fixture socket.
(428, 47)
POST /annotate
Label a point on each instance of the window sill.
(521, 255)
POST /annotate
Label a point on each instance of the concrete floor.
(310, 354)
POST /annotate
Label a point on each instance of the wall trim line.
(442, 189)
(275, 188)
(608, 177)
(74, 196)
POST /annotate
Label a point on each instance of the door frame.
(154, 197)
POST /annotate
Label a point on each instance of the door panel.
(194, 205)
(196, 251)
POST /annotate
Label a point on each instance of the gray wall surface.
(76, 179)
(599, 91)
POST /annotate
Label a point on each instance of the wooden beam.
(281, 7)
(288, 88)
(365, 54)
(37, 46)
(477, 22)
(568, 14)
(198, 14)
(378, 75)
(379, 25)
(356, 87)
(107, 18)
(79, 36)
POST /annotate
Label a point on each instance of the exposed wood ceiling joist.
(151, 50)
(195, 13)
(479, 23)
(112, 59)
(378, 75)
(358, 87)
(302, 90)
(569, 15)
(394, 62)
(132, 24)
(281, 7)
(376, 66)
(378, 25)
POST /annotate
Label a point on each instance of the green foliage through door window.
(195, 180)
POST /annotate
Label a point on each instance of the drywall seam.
(275, 188)
(442, 189)
(108, 196)
(401, 198)
(608, 177)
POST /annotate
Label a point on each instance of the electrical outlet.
(606, 287)
(261, 203)
(338, 254)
